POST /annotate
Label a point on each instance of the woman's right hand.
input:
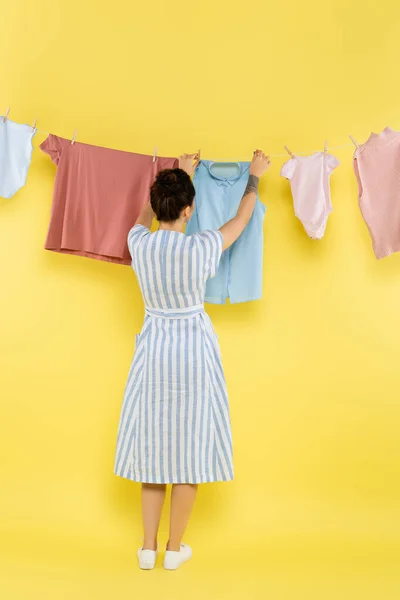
(189, 162)
(259, 164)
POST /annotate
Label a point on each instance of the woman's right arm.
(146, 215)
(187, 162)
(233, 228)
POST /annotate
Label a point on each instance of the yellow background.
(312, 368)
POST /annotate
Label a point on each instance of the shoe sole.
(146, 566)
(175, 568)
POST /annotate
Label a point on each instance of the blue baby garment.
(219, 190)
(15, 155)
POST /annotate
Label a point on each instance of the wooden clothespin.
(289, 152)
(155, 154)
(74, 137)
(34, 125)
(326, 147)
(196, 158)
(353, 140)
(6, 115)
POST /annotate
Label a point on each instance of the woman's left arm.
(146, 216)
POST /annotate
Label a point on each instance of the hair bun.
(170, 193)
(167, 178)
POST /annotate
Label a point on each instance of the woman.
(175, 423)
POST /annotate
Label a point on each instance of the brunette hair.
(170, 193)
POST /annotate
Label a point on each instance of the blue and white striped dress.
(175, 423)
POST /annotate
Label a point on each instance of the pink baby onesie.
(309, 181)
(377, 168)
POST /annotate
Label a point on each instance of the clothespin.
(74, 137)
(34, 125)
(196, 158)
(353, 140)
(326, 146)
(155, 154)
(289, 152)
(6, 115)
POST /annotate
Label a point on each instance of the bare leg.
(153, 496)
(182, 501)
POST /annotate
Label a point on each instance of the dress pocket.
(217, 346)
(136, 345)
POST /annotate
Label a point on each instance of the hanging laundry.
(377, 169)
(15, 155)
(98, 194)
(219, 189)
(309, 181)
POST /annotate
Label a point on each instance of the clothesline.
(275, 155)
(312, 151)
(285, 154)
(270, 155)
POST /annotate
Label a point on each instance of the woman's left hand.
(189, 162)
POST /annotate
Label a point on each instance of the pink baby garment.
(309, 181)
(98, 194)
(377, 169)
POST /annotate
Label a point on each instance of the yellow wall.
(312, 368)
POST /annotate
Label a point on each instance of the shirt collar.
(225, 181)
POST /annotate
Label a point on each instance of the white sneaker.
(147, 558)
(174, 559)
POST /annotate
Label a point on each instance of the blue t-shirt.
(219, 190)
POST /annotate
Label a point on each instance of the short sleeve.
(135, 236)
(52, 145)
(331, 162)
(288, 169)
(211, 242)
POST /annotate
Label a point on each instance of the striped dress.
(175, 423)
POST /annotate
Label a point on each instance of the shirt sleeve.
(135, 236)
(211, 242)
(288, 168)
(331, 162)
(52, 145)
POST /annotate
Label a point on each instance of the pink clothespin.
(289, 152)
(6, 115)
(74, 137)
(353, 140)
(326, 147)
(155, 154)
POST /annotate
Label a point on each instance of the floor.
(278, 570)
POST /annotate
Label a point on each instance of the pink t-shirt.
(309, 181)
(98, 194)
(377, 169)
